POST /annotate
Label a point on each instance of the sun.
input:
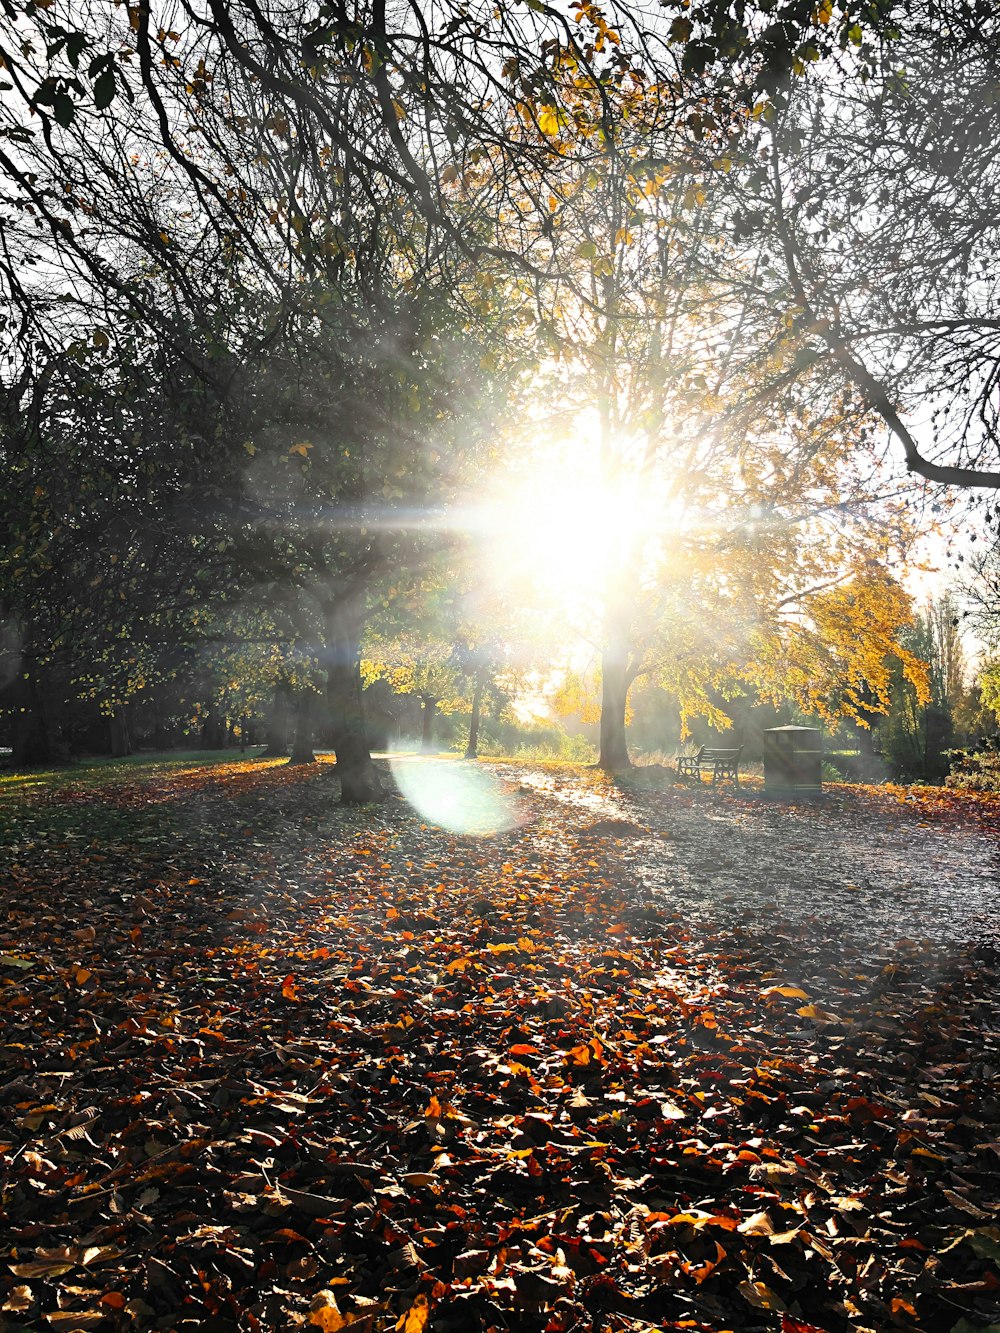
(554, 533)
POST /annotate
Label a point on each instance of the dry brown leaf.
(42, 1268)
(761, 1297)
(699, 1219)
(18, 1300)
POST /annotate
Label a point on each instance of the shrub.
(839, 766)
(975, 772)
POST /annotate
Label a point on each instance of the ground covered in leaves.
(267, 1064)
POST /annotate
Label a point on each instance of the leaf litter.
(268, 1064)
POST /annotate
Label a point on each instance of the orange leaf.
(416, 1317)
(701, 1219)
(289, 989)
(324, 1314)
(814, 1011)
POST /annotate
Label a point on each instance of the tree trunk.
(614, 695)
(302, 745)
(32, 741)
(161, 736)
(472, 749)
(427, 715)
(213, 731)
(121, 742)
(359, 779)
(35, 697)
(276, 743)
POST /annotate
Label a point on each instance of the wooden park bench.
(723, 763)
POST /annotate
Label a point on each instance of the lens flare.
(453, 795)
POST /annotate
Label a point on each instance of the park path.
(860, 877)
(867, 869)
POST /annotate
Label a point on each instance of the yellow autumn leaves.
(325, 1314)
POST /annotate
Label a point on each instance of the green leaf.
(986, 1242)
(63, 109)
(76, 44)
(104, 90)
(12, 960)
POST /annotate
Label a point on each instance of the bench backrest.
(708, 753)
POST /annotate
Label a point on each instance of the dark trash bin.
(793, 760)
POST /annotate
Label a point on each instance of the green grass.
(29, 817)
(100, 771)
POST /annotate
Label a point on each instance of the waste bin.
(793, 760)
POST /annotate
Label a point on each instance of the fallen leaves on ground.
(268, 1065)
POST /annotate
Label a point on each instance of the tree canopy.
(282, 287)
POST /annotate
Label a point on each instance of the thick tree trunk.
(302, 745)
(359, 778)
(161, 735)
(478, 690)
(121, 742)
(32, 741)
(427, 715)
(35, 698)
(614, 756)
(276, 744)
(213, 731)
(621, 578)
